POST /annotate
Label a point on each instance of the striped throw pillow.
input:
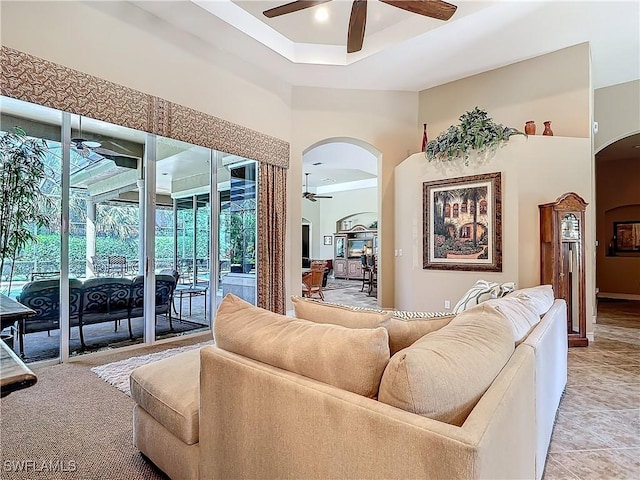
(481, 292)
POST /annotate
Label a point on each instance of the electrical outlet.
(400, 251)
(447, 304)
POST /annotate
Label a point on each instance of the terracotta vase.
(530, 127)
(547, 128)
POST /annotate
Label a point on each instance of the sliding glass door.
(133, 238)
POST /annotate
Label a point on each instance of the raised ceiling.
(404, 51)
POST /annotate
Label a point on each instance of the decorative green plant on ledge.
(477, 131)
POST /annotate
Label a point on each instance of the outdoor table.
(190, 291)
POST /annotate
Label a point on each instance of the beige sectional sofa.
(281, 397)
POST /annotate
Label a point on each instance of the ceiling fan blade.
(292, 7)
(429, 8)
(321, 196)
(357, 23)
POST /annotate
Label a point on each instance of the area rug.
(338, 284)
(117, 373)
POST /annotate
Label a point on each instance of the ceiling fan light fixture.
(321, 15)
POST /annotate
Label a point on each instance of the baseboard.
(619, 296)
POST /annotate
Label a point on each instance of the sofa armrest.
(258, 421)
(548, 341)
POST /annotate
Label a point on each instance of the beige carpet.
(72, 419)
(117, 373)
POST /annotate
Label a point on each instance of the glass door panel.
(236, 189)
(104, 233)
(183, 229)
(30, 212)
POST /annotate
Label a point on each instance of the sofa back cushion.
(404, 327)
(347, 358)
(520, 312)
(444, 374)
(541, 297)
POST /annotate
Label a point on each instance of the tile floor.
(597, 433)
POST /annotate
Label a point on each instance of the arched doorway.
(340, 180)
(617, 206)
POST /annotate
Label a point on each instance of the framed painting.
(463, 223)
(328, 240)
(626, 236)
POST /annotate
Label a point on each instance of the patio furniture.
(43, 296)
(165, 287)
(182, 291)
(97, 300)
(117, 264)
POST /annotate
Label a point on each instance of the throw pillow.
(404, 327)
(347, 358)
(322, 312)
(481, 292)
(541, 297)
(520, 312)
(444, 374)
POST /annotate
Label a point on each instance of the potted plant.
(22, 204)
(476, 132)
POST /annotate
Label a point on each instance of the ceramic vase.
(547, 128)
(530, 127)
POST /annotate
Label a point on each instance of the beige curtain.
(272, 214)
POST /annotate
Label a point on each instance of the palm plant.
(22, 204)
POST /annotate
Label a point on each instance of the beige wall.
(139, 52)
(534, 171)
(551, 87)
(618, 197)
(617, 111)
(327, 212)
(387, 121)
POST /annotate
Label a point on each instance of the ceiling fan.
(355, 36)
(86, 147)
(82, 145)
(310, 195)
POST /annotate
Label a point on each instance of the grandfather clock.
(562, 259)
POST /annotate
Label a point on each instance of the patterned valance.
(42, 82)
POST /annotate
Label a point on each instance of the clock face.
(570, 227)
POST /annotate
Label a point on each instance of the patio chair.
(117, 264)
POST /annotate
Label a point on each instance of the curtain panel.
(272, 214)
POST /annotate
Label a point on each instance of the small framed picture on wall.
(328, 240)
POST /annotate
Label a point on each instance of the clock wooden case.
(562, 259)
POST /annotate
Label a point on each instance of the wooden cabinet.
(340, 268)
(354, 269)
(562, 260)
(349, 246)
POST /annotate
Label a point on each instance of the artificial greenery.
(22, 205)
(477, 131)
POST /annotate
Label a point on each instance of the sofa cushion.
(347, 358)
(169, 391)
(321, 312)
(520, 312)
(444, 374)
(541, 297)
(404, 327)
(480, 292)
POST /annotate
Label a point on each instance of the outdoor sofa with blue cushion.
(96, 300)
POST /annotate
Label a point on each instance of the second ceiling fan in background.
(358, 20)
